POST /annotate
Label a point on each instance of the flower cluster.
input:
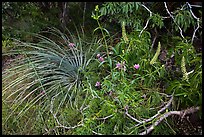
(136, 66)
(121, 66)
(98, 85)
(100, 58)
(71, 45)
(98, 55)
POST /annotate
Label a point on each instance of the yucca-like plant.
(48, 74)
(156, 54)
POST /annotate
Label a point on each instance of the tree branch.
(151, 118)
(96, 133)
(159, 112)
(140, 122)
(105, 117)
(180, 113)
(150, 14)
(181, 32)
(198, 19)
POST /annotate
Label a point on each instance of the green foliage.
(135, 50)
(157, 21)
(123, 11)
(167, 126)
(184, 19)
(52, 74)
(113, 97)
(19, 126)
(189, 63)
(52, 89)
(188, 92)
(105, 114)
(20, 17)
(7, 44)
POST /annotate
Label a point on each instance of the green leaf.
(101, 63)
(110, 62)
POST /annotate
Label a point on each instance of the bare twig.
(105, 117)
(160, 111)
(181, 32)
(69, 127)
(180, 113)
(198, 19)
(61, 126)
(85, 108)
(151, 118)
(197, 6)
(163, 103)
(84, 14)
(167, 105)
(56, 119)
(96, 133)
(132, 117)
(150, 14)
(155, 37)
(64, 14)
(168, 96)
(166, 17)
(156, 115)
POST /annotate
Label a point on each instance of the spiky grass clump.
(156, 54)
(48, 76)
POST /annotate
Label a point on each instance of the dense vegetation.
(101, 68)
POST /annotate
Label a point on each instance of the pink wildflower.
(71, 45)
(110, 93)
(121, 66)
(118, 66)
(98, 55)
(136, 66)
(98, 84)
(101, 59)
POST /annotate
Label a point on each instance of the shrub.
(52, 75)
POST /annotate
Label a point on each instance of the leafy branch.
(198, 21)
(181, 31)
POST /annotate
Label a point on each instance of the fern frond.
(156, 54)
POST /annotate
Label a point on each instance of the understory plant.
(132, 98)
(48, 76)
(119, 95)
